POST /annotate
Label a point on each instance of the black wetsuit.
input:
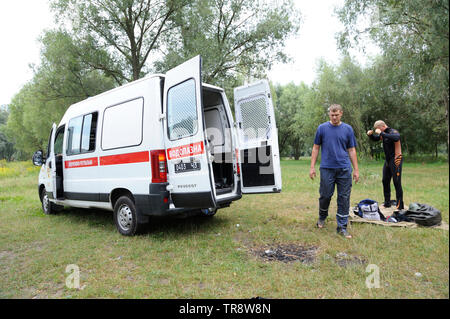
(393, 164)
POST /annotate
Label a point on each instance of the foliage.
(414, 38)
(61, 80)
(366, 95)
(238, 39)
(6, 147)
(118, 37)
(289, 113)
(343, 85)
(101, 44)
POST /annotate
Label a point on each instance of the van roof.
(74, 108)
(119, 87)
(70, 109)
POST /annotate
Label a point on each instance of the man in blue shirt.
(338, 155)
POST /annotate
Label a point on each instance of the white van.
(161, 145)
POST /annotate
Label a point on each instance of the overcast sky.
(23, 21)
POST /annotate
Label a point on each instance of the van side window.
(122, 124)
(81, 134)
(88, 133)
(182, 110)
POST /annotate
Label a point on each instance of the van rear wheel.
(125, 217)
(209, 211)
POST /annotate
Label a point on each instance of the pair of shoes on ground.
(341, 231)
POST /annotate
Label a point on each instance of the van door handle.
(50, 164)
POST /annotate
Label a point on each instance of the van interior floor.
(223, 177)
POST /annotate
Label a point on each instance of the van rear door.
(190, 178)
(258, 139)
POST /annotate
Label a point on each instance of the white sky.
(23, 21)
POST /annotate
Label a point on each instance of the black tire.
(48, 207)
(125, 217)
(208, 212)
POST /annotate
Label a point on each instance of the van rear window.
(122, 124)
(182, 110)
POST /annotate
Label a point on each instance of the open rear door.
(258, 139)
(190, 178)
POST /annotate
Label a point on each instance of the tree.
(238, 39)
(118, 37)
(344, 85)
(61, 80)
(6, 147)
(289, 113)
(414, 37)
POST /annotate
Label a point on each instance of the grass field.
(222, 257)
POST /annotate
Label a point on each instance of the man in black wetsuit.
(393, 164)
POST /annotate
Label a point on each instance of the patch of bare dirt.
(287, 253)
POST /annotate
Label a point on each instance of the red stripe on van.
(128, 158)
(185, 150)
(85, 162)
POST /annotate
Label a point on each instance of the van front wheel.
(47, 206)
(125, 217)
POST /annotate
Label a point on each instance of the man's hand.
(378, 131)
(312, 173)
(370, 132)
(356, 176)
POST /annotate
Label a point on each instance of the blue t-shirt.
(335, 141)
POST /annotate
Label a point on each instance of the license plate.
(187, 167)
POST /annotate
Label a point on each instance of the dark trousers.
(393, 170)
(342, 178)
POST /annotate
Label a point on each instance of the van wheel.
(125, 217)
(208, 211)
(47, 206)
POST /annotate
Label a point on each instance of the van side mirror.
(38, 158)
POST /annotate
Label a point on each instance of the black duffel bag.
(423, 214)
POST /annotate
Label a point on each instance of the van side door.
(189, 166)
(51, 163)
(257, 138)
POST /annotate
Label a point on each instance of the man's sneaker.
(387, 204)
(343, 232)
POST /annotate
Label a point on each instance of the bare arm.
(354, 160)
(314, 154)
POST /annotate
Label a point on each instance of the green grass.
(213, 258)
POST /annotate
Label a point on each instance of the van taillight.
(237, 162)
(159, 166)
